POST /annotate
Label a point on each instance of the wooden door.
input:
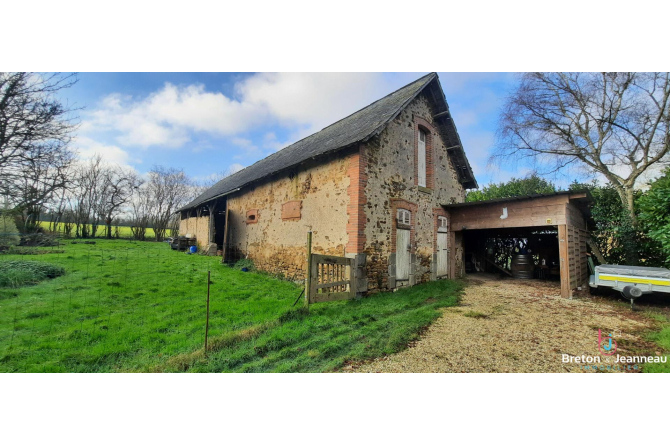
(402, 257)
(441, 248)
(442, 255)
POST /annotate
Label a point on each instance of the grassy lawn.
(139, 306)
(660, 338)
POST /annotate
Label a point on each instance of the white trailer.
(632, 281)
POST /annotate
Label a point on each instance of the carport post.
(564, 261)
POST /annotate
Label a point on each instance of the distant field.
(124, 231)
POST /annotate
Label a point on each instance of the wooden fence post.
(308, 280)
(207, 320)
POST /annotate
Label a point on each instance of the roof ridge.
(354, 128)
(276, 153)
(373, 103)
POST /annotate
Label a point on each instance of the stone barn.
(386, 186)
(372, 185)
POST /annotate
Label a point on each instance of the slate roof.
(355, 128)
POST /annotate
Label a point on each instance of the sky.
(215, 123)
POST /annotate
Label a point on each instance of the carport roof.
(580, 195)
(583, 199)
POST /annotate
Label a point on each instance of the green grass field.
(139, 306)
(124, 231)
(660, 338)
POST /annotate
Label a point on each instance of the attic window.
(252, 216)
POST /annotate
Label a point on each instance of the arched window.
(404, 217)
(442, 224)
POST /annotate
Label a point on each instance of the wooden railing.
(331, 278)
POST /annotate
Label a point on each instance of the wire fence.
(119, 305)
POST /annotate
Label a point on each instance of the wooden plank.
(491, 262)
(313, 281)
(332, 284)
(451, 243)
(331, 260)
(309, 279)
(225, 236)
(564, 262)
(510, 222)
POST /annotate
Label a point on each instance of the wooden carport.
(567, 211)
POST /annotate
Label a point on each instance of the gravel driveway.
(516, 326)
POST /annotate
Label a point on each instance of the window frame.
(440, 226)
(422, 152)
(401, 213)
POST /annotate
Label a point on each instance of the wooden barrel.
(523, 266)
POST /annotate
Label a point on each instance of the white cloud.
(245, 144)
(88, 148)
(312, 99)
(169, 116)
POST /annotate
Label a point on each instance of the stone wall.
(278, 245)
(198, 227)
(391, 184)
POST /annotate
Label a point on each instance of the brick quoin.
(358, 180)
(429, 130)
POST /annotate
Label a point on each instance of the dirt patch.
(517, 326)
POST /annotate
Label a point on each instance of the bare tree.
(139, 211)
(87, 192)
(116, 190)
(35, 133)
(615, 124)
(167, 189)
(200, 186)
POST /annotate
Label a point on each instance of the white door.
(402, 254)
(442, 255)
(442, 251)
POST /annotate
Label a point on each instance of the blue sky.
(212, 123)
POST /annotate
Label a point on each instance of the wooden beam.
(491, 262)
(331, 260)
(225, 236)
(308, 280)
(564, 260)
(451, 245)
